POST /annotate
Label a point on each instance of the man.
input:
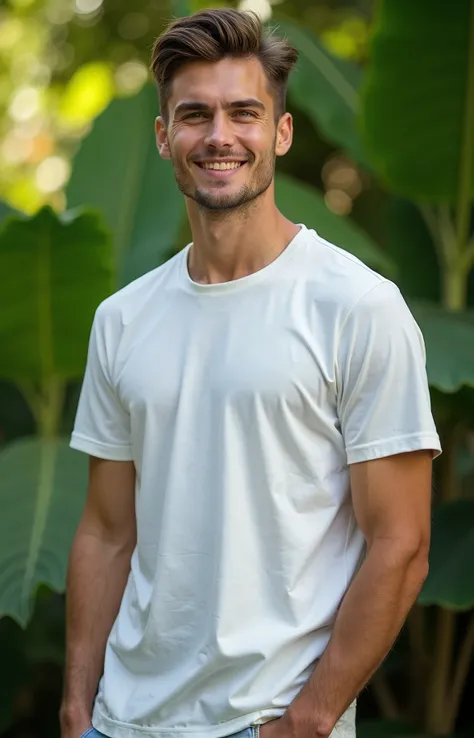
(258, 420)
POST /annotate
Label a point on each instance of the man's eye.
(245, 113)
(197, 114)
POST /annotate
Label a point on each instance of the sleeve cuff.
(393, 446)
(101, 450)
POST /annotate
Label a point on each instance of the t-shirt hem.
(117, 729)
(103, 450)
(392, 446)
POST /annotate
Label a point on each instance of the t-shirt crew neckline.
(235, 285)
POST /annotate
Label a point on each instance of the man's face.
(222, 136)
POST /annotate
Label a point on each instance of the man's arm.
(98, 569)
(392, 504)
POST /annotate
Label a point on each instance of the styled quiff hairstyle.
(212, 35)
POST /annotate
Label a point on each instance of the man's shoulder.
(335, 275)
(128, 301)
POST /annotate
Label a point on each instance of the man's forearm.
(368, 622)
(96, 580)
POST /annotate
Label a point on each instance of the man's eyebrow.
(191, 106)
(248, 103)
(185, 107)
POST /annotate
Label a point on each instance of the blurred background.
(382, 164)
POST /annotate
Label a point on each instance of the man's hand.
(286, 727)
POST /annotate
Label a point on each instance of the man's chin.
(220, 201)
(225, 198)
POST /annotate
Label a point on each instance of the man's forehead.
(223, 81)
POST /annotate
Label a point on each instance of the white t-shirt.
(241, 405)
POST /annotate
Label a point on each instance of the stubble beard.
(240, 200)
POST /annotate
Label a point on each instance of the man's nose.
(219, 134)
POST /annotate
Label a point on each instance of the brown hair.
(211, 35)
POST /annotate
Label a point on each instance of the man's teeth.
(222, 165)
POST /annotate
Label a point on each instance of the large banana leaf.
(326, 89)
(449, 338)
(418, 99)
(410, 245)
(119, 171)
(42, 489)
(304, 204)
(450, 582)
(57, 269)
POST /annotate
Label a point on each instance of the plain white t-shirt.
(241, 405)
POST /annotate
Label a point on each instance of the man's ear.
(284, 134)
(162, 138)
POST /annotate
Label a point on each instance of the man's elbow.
(414, 556)
(405, 553)
(420, 560)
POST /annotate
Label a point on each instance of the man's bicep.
(392, 498)
(110, 505)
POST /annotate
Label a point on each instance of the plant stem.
(432, 223)
(436, 719)
(50, 407)
(454, 287)
(454, 266)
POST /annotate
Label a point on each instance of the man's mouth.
(220, 165)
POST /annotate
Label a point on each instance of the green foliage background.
(382, 164)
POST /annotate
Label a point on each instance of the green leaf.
(302, 203)
(118, 170)
(59, 268)
(42, 493)
(326, 89)
(449, 339)
(410, 245)
(416, 97)
(450, 582)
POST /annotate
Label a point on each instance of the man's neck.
(230, 245)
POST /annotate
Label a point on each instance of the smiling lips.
(220, 169)
(221, 164)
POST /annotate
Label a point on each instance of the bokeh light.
(52, 174)
(85, 7)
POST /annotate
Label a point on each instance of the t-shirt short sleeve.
(383, 396)
(102, 425)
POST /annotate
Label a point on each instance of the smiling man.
(258, 420)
